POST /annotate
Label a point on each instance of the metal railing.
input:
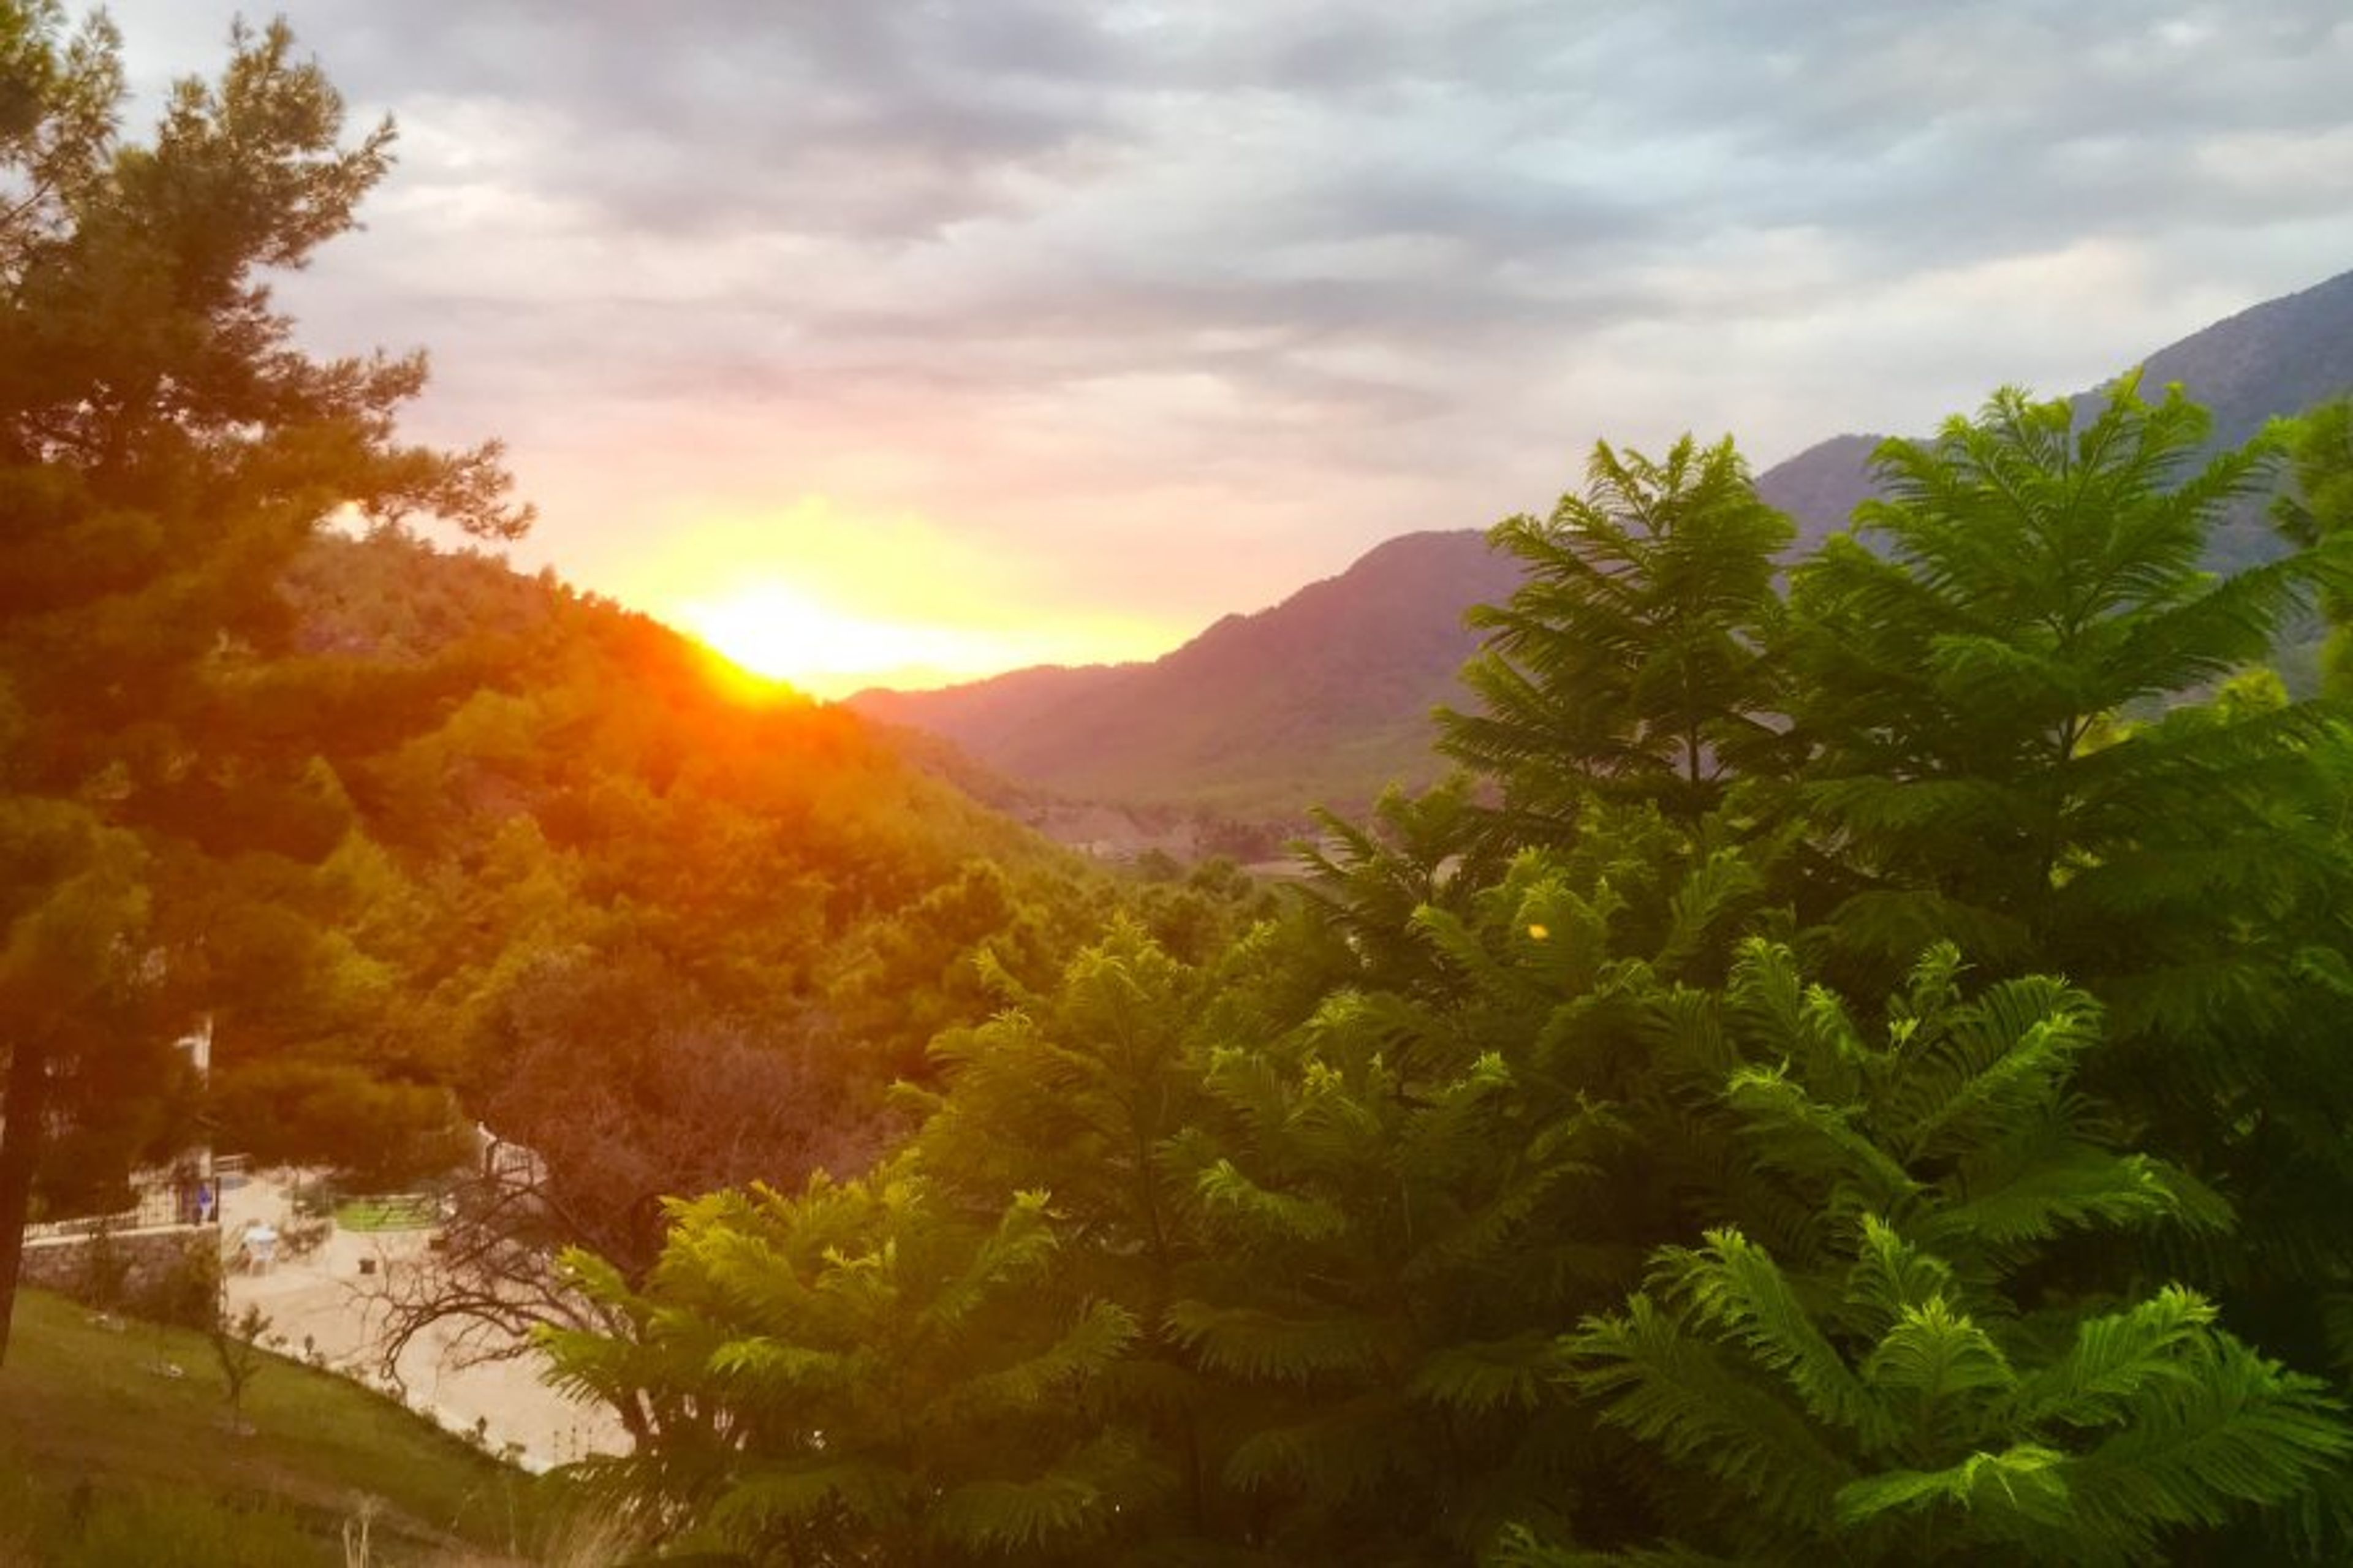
(159, 1198)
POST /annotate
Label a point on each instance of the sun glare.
(776, 631)
(829, 602)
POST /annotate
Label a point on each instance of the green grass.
(106, 1459)
(397, 1211)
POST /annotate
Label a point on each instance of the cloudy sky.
(971, 334)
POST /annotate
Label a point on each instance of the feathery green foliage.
(2320, 507)
(1526, 1197)
(1959, 664)
(1630, 665)
(1902, 1387)
(1977, 674)
(857, 1366)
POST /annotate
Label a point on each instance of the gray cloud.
(1193, 302)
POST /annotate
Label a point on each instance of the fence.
(159, 1198)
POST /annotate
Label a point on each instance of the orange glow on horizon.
(771, 630)
(831, 601)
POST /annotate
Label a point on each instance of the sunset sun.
(779, 631)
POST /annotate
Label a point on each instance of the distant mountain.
(1326, 697)
(1322, 698)
(990, 718)
(2278, 357)
(1821, 485)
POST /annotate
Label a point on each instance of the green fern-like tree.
(1277, 1254)
(1632, 662)
(1400, 1200)
(2320, 506)
(860, 1373)
(2006, 677)
(1962, 661)
(1893, 1377)
(1078, 1091)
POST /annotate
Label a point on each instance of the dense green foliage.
(1664, 571)
(1848, 1078)
(2320, 506)
(632, 913)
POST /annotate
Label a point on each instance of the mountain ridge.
(2277, 357)
(1326, 695)
(1362, 657)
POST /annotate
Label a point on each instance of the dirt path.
(320, 1305)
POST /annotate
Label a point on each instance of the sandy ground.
(319, 1306)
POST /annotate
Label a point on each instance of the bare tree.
(602, 1113)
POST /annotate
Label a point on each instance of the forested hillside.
(587, 877)
(493, 851)
(418, 843)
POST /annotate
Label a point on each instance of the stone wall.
(123, 1269)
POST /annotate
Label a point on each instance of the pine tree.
(164, 450)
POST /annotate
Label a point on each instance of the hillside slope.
(562, 872)
(114, 1447)
(1322, 698)
(981, 715)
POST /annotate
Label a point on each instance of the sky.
(890, 342)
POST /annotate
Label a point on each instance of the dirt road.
(320, 1309)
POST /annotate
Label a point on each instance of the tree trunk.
(23, 1112)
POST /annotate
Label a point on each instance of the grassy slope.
(81, 1402)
